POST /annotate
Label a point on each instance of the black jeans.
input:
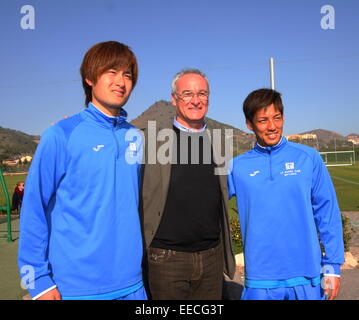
(175, 275)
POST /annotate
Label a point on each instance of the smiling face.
(111, 90)
(190, 112)
(267, 125)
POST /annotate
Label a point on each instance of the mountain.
(15, 143)
(352, 135)
(163, 111)
(329, 140)
(326, 136)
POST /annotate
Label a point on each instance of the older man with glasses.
(185, 215)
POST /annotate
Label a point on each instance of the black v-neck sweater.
(191, 218)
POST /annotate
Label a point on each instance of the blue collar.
(104, 118)
(283, 141)
(183, 128)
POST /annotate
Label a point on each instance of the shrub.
(348, 231)
(236, 234)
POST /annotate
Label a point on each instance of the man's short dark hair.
(259, 99)
(103, 56)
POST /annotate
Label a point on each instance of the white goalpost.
(338, 158)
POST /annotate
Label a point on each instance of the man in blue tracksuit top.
(80, 235)
(285, 198)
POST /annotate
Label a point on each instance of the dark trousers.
(175, 275)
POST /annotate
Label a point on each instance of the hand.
(331, 287)
(53, 294)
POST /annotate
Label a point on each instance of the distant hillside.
(163, 111)
(353, 138)
(15, 143)
(326, 136)
(330, 140)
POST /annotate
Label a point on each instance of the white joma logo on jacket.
(254, 173)
(98, 147)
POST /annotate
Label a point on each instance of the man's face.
(191, 110)
(267, 125)
(111, 90)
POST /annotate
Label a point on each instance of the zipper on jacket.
(270, 165)
(114, 136)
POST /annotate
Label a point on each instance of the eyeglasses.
(187, 96)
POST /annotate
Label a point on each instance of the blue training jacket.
(285, 197)
(79, 226)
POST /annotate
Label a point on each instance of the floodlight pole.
(317, 142)
(335, 149)
(271, 70)
(353, 151)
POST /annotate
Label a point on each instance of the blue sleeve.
(327, 217)
(46, 171)
(231, 185)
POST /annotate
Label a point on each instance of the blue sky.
(230, 40)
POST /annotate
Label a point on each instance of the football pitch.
(346, 183)
(345, 180)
